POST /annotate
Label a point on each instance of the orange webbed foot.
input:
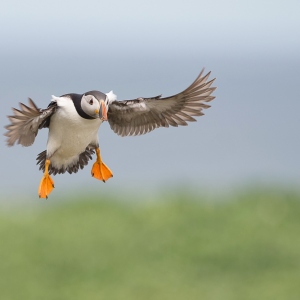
(47, 184)
(100, 170)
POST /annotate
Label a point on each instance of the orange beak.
(103, 111)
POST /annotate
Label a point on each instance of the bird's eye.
(91, 102)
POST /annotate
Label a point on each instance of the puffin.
(73, 121)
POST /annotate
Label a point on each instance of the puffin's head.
(94, 104)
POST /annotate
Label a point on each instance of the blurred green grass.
(176, 247)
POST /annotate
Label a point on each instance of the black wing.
(26, 122)
(142, 115)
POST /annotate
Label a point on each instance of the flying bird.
(73, 121)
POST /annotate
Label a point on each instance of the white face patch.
(90, 105)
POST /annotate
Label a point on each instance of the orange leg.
(46, 184)
(100, 170)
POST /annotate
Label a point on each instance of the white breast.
(69, 134)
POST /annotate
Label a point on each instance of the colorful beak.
(103, 111)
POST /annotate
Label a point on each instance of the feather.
(111, 97)
(26, 122)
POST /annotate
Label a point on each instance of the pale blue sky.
(251, 133)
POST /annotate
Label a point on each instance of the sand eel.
(74, 120)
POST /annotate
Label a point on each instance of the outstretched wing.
(142, 115)
(26, 122)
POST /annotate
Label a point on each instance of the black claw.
(103, 181)
(92, 174)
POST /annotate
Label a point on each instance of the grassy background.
(174, 247)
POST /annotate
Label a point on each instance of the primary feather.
(26, 122)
